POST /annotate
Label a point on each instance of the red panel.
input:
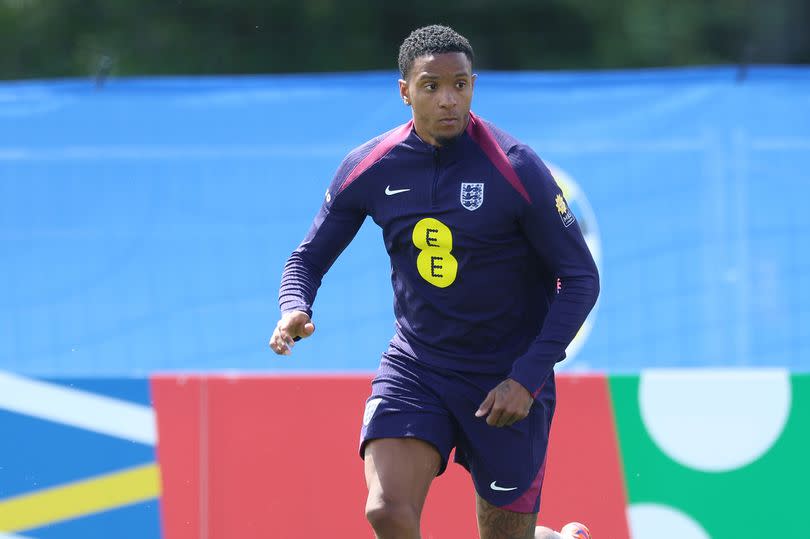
(280, 460)
(177, 402)
(584, 480)
(284, 457)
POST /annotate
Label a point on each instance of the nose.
(447, 99)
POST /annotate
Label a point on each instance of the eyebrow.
(432, 76)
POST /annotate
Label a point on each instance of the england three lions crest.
(472, 195)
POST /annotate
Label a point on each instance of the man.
(492, 279)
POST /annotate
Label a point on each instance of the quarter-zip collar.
(447, 153)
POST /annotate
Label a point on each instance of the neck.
(438, 143)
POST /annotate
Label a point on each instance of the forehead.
(445, 64)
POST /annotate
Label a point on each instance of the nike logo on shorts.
(493, 486)
(389, 191)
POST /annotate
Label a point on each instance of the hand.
(507, 403)
(293, 324)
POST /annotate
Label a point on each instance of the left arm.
(553, 232)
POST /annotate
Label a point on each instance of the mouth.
(448, 121)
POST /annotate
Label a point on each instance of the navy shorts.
(409, 399)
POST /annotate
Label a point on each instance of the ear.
(403, 92)
(473, 79)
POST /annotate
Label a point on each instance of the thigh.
(497, 523)
(405, 403)
(507, 464)
(399, 471)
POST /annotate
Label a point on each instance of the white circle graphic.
(654, 521)
(583, 211)
(715, 420)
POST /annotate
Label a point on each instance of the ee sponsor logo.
(436, 263)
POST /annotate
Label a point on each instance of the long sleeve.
(344, 208)
(554, 233)
(332, 230)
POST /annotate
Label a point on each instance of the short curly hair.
(433, 39)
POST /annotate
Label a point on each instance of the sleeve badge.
(565, 212)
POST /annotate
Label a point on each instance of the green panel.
(734, 504)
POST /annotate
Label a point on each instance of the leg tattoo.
(496, 523)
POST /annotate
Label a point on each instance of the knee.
(389, 516)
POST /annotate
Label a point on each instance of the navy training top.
(489, 268)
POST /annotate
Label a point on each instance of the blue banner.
(144, 224)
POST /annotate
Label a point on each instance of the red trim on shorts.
(386, 145)
(482, 136)
(527, 503)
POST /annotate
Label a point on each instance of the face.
(439, 89)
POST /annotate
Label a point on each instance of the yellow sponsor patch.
(435, 263)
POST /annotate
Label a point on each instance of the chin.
(445, 138)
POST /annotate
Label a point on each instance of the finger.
(512, 413)
(522, 412)
(286, 347)
(273, 342)
(495, 416)
(510, 419)
(519, 415)
(279, 343)
(309, 329)
(486, 406)
(504, 420)
(280, 347)
(284, 340)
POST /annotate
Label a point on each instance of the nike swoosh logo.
(493, 486)
(389, 191)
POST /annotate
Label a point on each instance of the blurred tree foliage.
(58, 38)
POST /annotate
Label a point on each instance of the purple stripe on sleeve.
(529, 501)
(386, 145)
(483, 137)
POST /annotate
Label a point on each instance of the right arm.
(336, 224)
